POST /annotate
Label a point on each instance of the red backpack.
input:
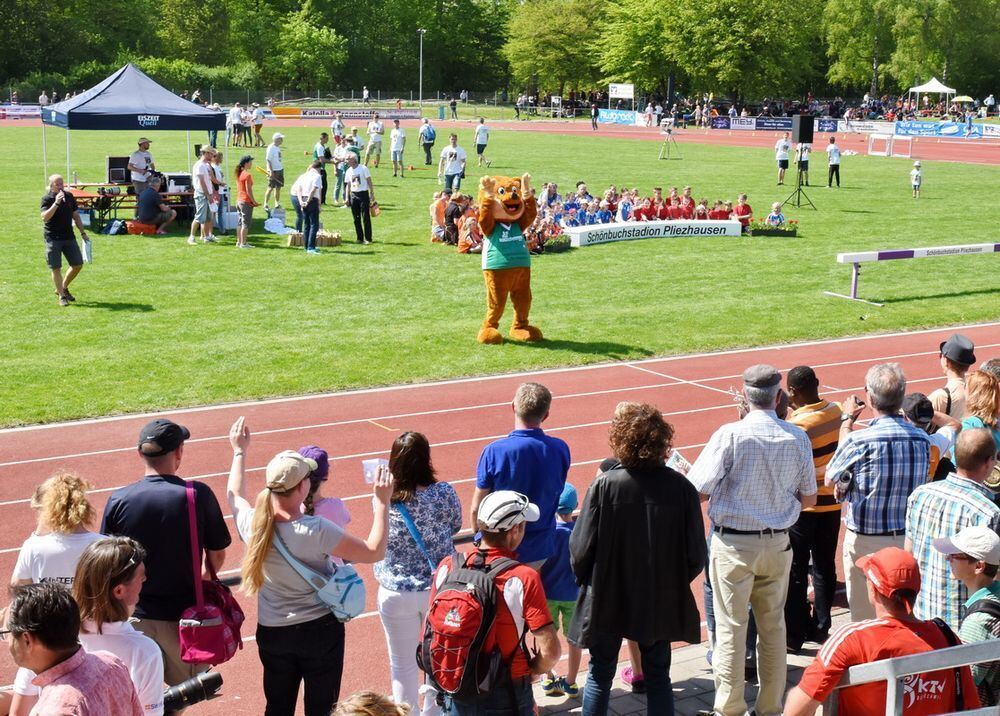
(460, 621)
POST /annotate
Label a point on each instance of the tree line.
(732, 48)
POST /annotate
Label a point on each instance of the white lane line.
(501, 376)
(377, 453)
(699, 382)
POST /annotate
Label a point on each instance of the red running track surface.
(459, 417)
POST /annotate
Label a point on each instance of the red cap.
(891, 569)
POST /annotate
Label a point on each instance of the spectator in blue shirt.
(604, 216)
(561, 592)
(532, 463)
(874, 471)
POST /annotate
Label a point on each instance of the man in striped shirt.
(874, 470)
(814, 535)
(942, 508)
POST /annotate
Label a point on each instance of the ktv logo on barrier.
(148, 120)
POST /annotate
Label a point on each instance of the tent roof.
(129, 99)
(933, 86)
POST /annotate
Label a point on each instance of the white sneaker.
(192, 240)
(210, 239)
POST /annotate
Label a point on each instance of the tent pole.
(69, 175)
(45, 155)
(188, 143)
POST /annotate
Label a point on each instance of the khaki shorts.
(245, 214)
(277, 179)
(201, 210)
(375, 148)
(166, 636)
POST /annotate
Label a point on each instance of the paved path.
(692, 679)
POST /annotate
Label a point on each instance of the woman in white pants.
(404, 576)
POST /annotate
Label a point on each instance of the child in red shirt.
(675, 208)
(743, 212)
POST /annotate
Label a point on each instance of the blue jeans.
(213, 136)
(310, 214)
(497, 701)
(339, 191)
(453, 182)
(655, 670)
(298, 213)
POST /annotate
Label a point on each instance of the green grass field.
(161, 324)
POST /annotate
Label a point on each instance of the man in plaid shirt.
(874, 471)
(939, 509)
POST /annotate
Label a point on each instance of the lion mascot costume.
(506, 209)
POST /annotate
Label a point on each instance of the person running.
(482, 137)
(299, 641)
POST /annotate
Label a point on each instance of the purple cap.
(322, 471)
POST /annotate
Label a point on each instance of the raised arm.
(239, 439)
(371, 549)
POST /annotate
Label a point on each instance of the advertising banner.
(743, 123)
(328, 112)
(619, 116)
(720, 122)
(779, 124)
(22, 111)
(938, 129)
(628, 231)
(826, 125)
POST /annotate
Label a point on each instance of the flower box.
(773, 231)
(557, 244)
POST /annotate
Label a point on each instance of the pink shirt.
(87, 684)
(333, 509)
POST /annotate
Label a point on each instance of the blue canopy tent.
(128, 99)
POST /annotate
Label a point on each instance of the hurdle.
(895, 254)
(874, 139)
(898, 152)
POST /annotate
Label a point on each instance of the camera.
(195, 690)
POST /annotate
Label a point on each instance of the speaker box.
(802, 128)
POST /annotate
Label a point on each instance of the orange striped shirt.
(821, 421)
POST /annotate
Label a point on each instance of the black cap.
(918, 409)
(959, 349)
(161, 436)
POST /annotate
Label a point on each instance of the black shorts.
(804, 165)
(480, 148)
(782, 164)
(55, 250)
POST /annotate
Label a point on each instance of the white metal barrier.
(894, 671)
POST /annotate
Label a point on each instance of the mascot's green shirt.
(505, 248)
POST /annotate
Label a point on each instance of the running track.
(459, 417)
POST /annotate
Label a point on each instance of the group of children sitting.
(454, 222)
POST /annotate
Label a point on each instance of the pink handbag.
(210, 630)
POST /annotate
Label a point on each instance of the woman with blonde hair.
(299, 640)
(370, 703)
(982, 403)
(51, 552)
(108, 580)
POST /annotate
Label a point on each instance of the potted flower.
(760, 227)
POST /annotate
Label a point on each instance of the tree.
(192, 30)
(745, 47)
(550, 41)
(631, 46)
(860, 39)
(311, 57)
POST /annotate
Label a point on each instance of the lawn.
(161, 324)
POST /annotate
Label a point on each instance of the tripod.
(669, 143)
(799, 194)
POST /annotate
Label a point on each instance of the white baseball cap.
(977, 541)
(278, 135)
(504, 509)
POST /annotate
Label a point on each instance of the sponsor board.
(21, 111)
(865, 126)
(743, 123)
(328, 112)
(619, 116)
(826, 125)
(911, 128)
(629, 231)
(720, 122)
(621, 91)
(771, 124)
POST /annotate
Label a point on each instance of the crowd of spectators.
(94, 614)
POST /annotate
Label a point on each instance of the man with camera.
(59, 212)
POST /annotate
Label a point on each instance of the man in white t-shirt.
(306, 192)
(781, 149)
(397, 142)
(482, 137)
(375, 131)
(141, 165)
(236, 125)
(275, 171)
(451, 166)
(833, 154)
(366, 97)
(204, 195)
(360, 195)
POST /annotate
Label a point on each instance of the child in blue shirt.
(776, 218)
(569, 219)
(571, 203)
(603, 215)
(589, 217)
(561, 592)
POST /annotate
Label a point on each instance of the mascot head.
(505, 196)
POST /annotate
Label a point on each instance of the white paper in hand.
(370, 468)
(676, 461)
(88, 251)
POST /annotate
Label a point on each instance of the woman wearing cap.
(404, 576)
(637, 545)
(108, 580)
(52, 552)
(329, 508)
(298, 639)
